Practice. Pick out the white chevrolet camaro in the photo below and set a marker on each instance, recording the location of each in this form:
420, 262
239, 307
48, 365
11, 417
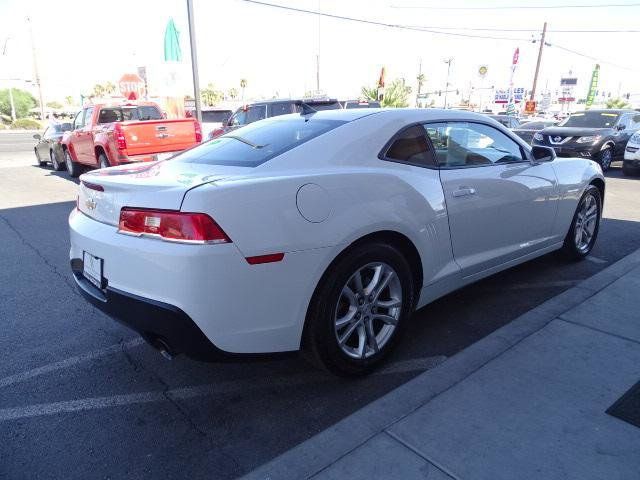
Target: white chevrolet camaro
322, 231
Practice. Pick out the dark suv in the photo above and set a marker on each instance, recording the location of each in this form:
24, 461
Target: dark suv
600, 135
253, 112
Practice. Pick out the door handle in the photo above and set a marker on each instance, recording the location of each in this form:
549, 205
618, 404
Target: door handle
464, 192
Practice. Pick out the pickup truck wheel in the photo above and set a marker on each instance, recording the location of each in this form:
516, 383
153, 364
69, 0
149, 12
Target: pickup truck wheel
57, 166
72, 167
103, 161
605, 158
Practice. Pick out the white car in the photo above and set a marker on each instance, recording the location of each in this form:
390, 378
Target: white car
631, 161
322, 231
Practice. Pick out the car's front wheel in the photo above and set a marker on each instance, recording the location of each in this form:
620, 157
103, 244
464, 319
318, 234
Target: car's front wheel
72, 167
605, 158
41, 162
585, 225
359, 309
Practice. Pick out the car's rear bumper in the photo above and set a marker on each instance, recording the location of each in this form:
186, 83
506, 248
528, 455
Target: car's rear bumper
164, 326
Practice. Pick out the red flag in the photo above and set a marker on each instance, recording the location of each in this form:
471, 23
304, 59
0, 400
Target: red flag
516, 54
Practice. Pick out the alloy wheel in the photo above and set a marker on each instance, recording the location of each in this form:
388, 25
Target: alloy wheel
586, 222
368, 310
605, 159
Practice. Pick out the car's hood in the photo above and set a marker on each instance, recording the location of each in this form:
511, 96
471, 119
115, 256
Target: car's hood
158, 185
576, 131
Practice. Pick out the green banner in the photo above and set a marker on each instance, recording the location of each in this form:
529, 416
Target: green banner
594, 85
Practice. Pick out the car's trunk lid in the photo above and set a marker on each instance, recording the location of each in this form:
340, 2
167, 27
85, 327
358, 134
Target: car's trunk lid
159, 185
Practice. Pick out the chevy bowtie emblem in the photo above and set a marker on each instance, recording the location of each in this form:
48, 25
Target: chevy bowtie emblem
557, 139
90, 203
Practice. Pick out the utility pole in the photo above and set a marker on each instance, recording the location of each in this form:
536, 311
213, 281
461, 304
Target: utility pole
535, 77
318, 54
420, 80
13, 106
446, 89
35, 69
194, 62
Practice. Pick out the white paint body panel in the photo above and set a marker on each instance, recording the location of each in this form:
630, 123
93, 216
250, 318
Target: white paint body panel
520, 211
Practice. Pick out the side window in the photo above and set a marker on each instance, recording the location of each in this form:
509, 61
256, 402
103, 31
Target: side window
239, 118
279, 108
463, 144
78, 122
411, 146
87, 116
635, 122
256, 112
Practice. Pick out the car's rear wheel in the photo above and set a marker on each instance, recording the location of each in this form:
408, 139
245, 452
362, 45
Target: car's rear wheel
72, 167
605, 158
585, 225
39, 159
103, 161
57, 166
359, 309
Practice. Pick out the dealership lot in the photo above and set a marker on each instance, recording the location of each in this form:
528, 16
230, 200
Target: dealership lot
81, 396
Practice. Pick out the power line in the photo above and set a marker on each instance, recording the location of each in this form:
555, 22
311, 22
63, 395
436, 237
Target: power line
381, 24
497, 29
517, 7
590, 57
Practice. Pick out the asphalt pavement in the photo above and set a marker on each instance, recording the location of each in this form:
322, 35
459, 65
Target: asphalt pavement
81, 396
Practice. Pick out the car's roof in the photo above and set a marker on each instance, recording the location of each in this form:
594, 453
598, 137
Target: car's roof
607, 110
289, 100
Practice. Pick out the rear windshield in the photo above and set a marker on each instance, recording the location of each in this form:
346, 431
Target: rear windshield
62, 127
121, 114
591, 120
328, 105
215, 116
258, 142
362, 105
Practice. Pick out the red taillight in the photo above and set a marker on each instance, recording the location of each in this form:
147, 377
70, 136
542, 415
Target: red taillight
196, 124
270, 258
121, 141
172, 226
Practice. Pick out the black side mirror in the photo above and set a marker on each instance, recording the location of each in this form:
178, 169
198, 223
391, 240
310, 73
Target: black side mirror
620, 127
37, 136
543, 154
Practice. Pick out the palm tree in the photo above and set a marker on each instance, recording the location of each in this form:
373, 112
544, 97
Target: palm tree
395, 95
618, 103
109, 88
233, 93
98, 90
243, 85
68, 99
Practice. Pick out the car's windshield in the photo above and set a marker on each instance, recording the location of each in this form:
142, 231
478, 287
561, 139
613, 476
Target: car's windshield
258, 142
62, 127
591, 120
215, 116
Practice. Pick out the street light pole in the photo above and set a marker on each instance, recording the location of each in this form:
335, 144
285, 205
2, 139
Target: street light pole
194, 61
446, 89
35, 68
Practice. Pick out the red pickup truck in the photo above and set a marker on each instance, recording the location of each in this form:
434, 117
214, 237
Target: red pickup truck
105, 135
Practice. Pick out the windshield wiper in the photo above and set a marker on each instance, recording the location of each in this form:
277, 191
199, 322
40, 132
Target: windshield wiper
245, 141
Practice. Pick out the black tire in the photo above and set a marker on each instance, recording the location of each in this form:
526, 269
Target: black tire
55, 163
571, 249
73, 168
103, 161
41, 163
605, 158
627, 171
320, 337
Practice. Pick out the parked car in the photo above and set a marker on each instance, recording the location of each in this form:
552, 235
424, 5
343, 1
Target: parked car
105, 135
526, 130
214, 118
322, 231
631, 161
508, 121
49, 146
600, 135
359, 104
253, 112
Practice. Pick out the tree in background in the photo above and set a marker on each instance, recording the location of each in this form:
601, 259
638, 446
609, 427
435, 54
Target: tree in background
55, 105
98, 90
396, 95
211, 96
69, 100
243, 85
22, 100
618, 103
109, 88
233, 93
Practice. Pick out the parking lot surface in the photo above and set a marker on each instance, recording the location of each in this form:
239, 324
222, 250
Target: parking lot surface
81, 396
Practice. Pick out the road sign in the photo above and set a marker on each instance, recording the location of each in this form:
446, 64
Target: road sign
502, 96
131, 86
529, 106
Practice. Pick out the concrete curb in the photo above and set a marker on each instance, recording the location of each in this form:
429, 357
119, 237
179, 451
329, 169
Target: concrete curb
328, 446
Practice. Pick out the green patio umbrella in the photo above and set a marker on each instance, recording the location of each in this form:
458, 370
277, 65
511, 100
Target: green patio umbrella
172, 52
